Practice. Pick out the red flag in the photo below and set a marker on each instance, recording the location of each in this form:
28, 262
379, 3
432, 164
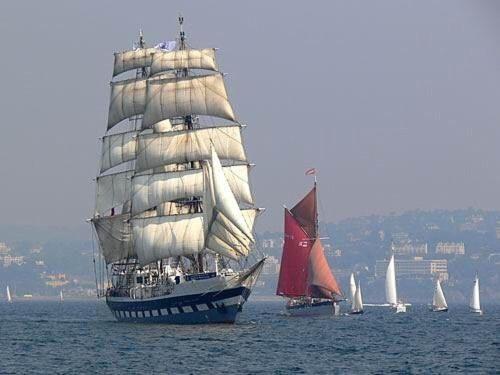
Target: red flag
311, 171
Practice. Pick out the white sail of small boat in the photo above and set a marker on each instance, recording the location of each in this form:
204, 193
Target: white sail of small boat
438, 300
9, 297
474, 303
391, 295
357, 307
352, 287
61, 297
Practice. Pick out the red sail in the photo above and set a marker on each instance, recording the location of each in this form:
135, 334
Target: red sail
306, 212
320, 279
292, 281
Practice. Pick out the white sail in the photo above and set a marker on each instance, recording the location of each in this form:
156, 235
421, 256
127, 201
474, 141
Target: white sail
390, 283
183, 59
225, 202
136, 59
474, 303
177, 97
167, 236
156, 150
112, 190
150, 190
114, 235
61, 297
128, 98
352, 287
9, 297
117, 149
358, 300
438, 300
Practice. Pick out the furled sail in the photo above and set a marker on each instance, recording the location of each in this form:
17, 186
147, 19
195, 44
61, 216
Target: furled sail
114, 235
438, 300
390, 283
185, 96
321, 282
292, 280
128, 99
150, 190
183, 59
117, 149
475, 303
112, 190
352, 288
136, 59
306, 212
183, 146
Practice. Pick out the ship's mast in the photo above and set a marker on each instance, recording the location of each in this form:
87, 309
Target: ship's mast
195, 204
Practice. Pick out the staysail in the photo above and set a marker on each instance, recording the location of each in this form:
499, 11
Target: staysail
438, 300
390, 283
321, 282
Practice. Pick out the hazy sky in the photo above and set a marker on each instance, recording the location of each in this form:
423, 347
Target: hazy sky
396, 103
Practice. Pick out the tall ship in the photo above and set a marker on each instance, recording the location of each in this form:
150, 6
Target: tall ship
305, 278
174, 212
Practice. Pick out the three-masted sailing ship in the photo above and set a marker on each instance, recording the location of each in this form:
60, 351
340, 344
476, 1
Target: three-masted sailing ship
305, 277
174, 212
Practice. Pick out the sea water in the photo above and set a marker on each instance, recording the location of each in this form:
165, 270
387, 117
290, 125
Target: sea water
83, 337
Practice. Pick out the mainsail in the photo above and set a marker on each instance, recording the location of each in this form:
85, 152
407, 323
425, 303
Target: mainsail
304, 268
438, 300
474, 303
169, 185
358, 300
391, 295
352, 288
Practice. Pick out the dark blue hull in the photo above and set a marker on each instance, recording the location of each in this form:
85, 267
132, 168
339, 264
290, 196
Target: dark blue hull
206, 308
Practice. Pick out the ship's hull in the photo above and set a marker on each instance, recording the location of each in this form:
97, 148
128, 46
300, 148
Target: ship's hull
200, 299
220, 306
439, 309
357, 312
476, 311
311, 309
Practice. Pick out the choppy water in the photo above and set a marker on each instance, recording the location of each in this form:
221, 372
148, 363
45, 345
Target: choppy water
82, 337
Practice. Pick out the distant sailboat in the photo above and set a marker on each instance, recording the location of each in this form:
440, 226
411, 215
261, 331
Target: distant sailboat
438, 300
474, 304
9, 297
61, 297
357, 304
391, 294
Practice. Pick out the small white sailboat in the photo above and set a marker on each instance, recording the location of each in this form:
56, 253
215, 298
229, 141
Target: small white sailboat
9, 297
357, 306
61, 297
438, 301
475, 304
391, 294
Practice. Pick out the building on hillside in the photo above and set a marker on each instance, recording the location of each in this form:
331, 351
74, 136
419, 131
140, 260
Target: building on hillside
457, 248
4, 249
416, 268
271, 266
409, 248
9, 260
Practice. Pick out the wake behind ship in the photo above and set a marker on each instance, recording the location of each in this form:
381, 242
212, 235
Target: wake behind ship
174, 212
